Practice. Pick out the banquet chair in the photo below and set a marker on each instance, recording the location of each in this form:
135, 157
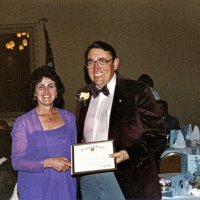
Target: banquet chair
170, 163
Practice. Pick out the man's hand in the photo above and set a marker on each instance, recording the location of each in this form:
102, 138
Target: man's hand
120, 156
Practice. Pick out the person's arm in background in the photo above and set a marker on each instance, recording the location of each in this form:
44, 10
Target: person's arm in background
8, 179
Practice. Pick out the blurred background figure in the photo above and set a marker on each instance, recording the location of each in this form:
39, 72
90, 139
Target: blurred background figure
172, 123
149, 81
8, 177
4, 125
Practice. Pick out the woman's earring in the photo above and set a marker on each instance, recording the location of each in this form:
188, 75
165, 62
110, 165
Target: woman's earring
34, 98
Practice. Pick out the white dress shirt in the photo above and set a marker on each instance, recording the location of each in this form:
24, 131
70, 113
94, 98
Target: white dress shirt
2, 160
98, 115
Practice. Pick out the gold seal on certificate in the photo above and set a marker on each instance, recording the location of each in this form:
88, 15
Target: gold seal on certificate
92, 157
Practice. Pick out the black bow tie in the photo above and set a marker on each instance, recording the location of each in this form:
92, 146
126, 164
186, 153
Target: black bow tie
95, 91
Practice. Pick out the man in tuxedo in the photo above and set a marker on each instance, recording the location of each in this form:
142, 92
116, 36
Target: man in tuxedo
149, 81
125, 111
172, 123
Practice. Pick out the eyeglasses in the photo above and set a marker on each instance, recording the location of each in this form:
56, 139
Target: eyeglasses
102, 62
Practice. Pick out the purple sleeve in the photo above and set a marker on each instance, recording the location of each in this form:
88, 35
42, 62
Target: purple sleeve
19, 149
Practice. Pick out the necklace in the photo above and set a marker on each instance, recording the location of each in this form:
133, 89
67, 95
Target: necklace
50, 116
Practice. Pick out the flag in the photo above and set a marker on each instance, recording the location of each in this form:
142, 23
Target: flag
49, 53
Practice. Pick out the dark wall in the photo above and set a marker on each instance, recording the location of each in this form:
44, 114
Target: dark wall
157, 37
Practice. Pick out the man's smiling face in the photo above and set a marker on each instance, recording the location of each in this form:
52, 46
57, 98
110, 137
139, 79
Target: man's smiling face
100, 76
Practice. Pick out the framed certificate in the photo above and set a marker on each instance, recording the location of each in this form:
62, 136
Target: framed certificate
92, 157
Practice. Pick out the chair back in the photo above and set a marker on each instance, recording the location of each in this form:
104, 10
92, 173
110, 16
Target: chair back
170, 163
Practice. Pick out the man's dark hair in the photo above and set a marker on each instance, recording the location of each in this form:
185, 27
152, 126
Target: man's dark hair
163, 102
147, 79
48, 72
101, 45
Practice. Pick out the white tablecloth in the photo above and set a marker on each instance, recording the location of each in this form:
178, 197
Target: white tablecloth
181, 198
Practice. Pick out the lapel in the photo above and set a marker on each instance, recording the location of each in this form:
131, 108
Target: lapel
118, 101
81, 111
83, 104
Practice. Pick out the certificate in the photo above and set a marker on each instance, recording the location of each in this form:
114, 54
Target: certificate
92, 157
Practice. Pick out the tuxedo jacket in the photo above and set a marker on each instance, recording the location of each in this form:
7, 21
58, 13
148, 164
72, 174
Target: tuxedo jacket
136, 126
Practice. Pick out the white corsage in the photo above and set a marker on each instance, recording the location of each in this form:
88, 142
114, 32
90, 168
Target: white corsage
84, 96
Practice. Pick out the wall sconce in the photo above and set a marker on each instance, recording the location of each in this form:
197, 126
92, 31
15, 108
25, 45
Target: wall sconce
21, 47
7, 45
10, 44
21, 41
25, 42
18, 34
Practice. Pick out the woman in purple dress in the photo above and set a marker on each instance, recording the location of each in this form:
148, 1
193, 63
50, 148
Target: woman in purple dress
41, 142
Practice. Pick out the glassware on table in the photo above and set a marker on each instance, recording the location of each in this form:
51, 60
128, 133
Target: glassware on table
165, 184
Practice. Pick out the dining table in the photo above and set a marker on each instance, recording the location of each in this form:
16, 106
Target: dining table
189, 149
167, 195
186, 197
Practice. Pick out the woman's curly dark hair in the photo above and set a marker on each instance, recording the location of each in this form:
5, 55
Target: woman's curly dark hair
48, 72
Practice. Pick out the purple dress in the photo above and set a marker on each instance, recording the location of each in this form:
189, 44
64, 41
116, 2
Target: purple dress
31, 145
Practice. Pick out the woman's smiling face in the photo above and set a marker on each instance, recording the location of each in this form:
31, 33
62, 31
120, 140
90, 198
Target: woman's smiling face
46, 91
